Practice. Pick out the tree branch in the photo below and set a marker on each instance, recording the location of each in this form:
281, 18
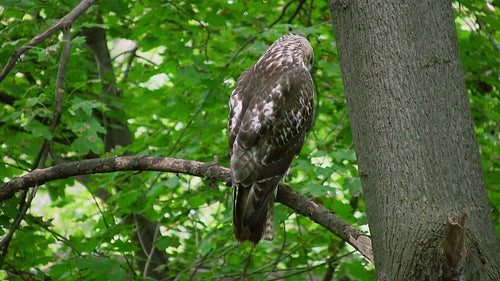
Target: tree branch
452, 249
64, 22
302, 205
326, 218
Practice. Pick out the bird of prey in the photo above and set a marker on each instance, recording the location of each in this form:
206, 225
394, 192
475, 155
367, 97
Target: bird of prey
270, 114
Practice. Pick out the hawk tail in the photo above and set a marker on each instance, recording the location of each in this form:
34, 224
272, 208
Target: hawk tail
253, 212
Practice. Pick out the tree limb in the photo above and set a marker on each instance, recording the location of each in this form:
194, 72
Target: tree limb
452, 249
326, 218
302, 205
64, 22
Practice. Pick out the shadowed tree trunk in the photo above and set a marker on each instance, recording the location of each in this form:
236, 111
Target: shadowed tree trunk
117, 131
418, 157
118, 134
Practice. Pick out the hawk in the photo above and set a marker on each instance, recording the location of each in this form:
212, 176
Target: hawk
270, 114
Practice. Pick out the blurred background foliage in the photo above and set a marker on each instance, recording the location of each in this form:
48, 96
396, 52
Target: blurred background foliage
153, 78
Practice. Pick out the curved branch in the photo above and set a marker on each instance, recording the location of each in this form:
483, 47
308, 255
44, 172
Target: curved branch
302, 205
328, 219
63, 23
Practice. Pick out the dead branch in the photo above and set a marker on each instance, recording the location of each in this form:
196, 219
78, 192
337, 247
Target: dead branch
452, 249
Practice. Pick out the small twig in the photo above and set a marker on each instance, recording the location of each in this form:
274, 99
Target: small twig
125, 52
188, 14
492, 40
281, 249
139, 236
63, 23
309, 12
104, 220
199, 263
339, 127
292, 248
248, 258
147, 60
281, 15
329, 272
4, 243
201, 23
129, 63
296, 11
192, 276
308, 269
184, 130
305, 255
17, 166
151, 252
235, 55
297, 271
57, 236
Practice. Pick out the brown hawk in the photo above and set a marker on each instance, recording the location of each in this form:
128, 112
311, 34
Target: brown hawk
271, 112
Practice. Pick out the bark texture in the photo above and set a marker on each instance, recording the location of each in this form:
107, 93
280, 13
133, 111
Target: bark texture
415, 142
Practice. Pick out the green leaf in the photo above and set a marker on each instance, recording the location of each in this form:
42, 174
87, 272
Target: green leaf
317, 190
344, 155
86, 105
87, 142
165, 242
38, 130
77, 40
172, 182
155, 190
13, 116
352, 184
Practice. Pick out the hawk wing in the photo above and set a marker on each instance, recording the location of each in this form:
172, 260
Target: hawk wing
268, 123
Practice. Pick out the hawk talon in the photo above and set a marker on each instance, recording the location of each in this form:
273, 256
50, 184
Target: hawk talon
211, 169
285, 184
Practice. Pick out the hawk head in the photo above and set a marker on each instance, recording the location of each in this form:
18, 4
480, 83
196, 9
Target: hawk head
289, 49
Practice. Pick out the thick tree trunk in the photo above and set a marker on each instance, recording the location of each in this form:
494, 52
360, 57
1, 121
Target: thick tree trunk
418, 158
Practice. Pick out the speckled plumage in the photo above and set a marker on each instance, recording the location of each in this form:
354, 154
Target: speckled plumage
271, 112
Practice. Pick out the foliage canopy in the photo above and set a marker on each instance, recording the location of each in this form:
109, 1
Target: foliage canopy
172, 67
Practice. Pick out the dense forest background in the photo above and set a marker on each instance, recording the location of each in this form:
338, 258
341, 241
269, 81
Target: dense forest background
153, 78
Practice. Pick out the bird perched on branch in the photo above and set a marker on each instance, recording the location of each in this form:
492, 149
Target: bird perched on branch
271, 112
